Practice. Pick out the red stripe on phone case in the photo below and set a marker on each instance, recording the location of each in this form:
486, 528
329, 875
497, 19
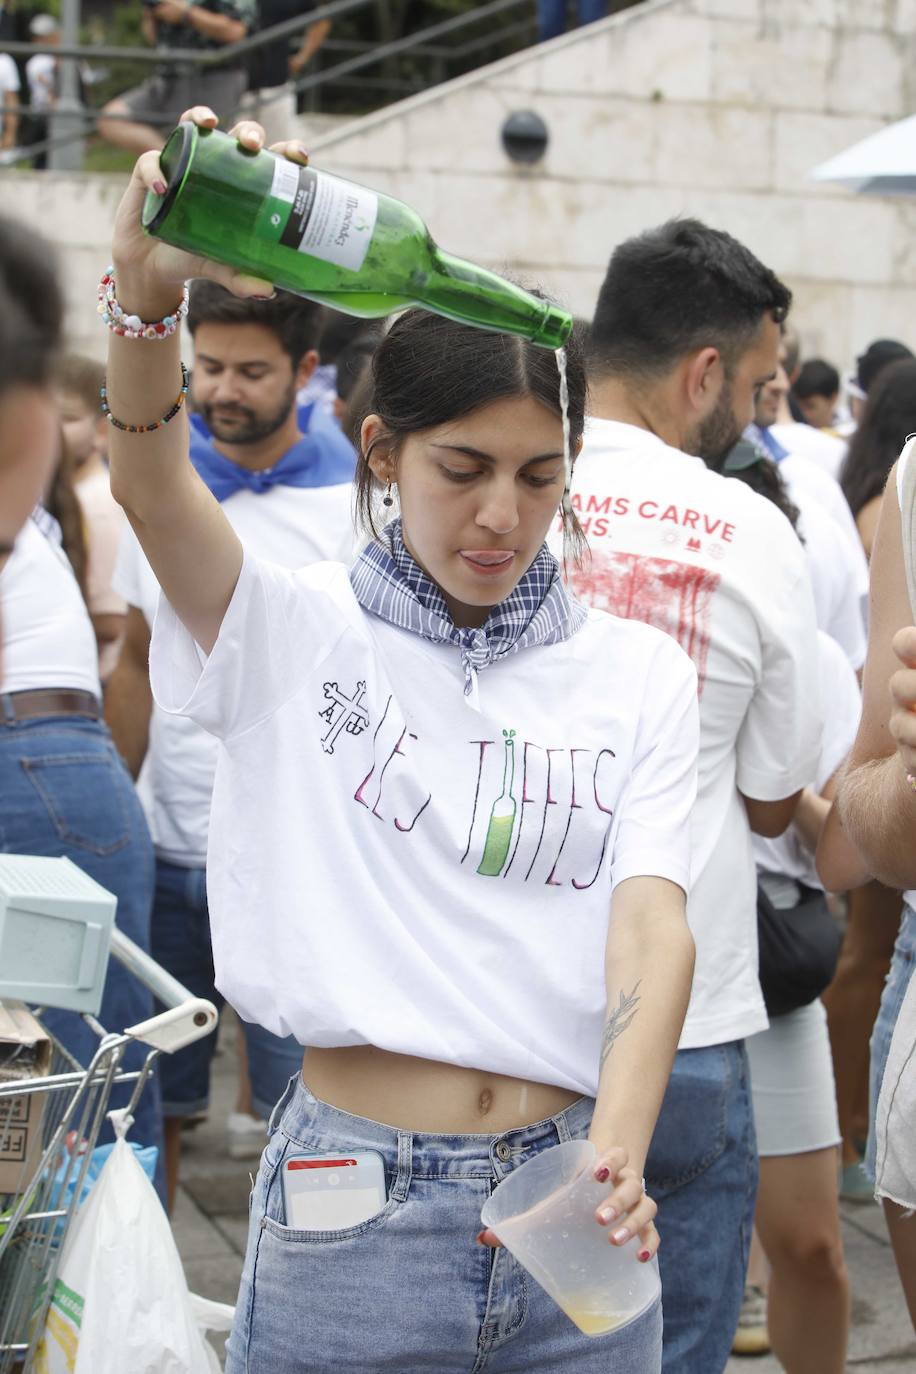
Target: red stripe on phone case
318, 1163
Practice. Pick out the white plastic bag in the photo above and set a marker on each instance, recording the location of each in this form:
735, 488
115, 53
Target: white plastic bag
121, 1303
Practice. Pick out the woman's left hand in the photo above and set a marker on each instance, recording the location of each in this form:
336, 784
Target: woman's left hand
627, 1211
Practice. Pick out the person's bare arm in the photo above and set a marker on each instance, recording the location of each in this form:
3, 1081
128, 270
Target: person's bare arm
148, 26
108, 626
187, 539
313, 38
219, 27
128, 698
839, 864
876, 805
11, 120
771, 818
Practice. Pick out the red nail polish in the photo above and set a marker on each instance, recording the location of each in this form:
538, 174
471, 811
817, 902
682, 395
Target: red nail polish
159, 187
602, 1175
480, 1236
644, 1255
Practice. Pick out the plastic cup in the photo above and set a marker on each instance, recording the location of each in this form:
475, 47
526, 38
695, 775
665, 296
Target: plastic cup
544, 1213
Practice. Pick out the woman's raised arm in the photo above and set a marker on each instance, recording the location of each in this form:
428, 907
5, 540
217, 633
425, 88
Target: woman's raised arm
190, 544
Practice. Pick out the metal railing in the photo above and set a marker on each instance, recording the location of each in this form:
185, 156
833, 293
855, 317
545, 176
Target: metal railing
70, 121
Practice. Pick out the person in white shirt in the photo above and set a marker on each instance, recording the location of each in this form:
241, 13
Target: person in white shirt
9, 99
41, 78
448, 846
685, 333
283, 476
841, 567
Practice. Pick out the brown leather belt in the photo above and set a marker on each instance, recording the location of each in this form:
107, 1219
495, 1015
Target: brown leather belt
53, 701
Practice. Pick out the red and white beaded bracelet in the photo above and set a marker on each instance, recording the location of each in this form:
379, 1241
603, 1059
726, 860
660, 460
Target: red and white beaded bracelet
131, 326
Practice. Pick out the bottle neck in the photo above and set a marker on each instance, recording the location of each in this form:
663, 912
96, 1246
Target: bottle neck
471, 294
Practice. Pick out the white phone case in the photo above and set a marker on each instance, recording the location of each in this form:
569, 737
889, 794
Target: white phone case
334, 1191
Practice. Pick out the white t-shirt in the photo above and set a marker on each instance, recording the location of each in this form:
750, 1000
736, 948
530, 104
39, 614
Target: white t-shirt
835, 581
293, 526
40, 71
841, 709
9, 75
721, 569
48, 639
392, 865
826, 450
809, 485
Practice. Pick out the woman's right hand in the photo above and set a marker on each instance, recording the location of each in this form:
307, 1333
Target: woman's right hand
150, 274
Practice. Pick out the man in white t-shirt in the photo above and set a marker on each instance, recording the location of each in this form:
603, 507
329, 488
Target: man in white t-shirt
686, 329
841, 563
283, 475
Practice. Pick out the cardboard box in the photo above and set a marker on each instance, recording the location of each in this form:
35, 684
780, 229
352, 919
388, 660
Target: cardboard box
25, 1052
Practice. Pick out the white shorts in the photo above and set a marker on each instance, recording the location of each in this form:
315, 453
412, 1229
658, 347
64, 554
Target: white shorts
792, 1084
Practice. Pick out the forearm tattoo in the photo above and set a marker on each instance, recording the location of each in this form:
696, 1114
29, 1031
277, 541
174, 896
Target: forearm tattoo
618, 1021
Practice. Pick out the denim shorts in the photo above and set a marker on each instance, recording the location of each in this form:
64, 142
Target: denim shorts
896, 984
409, 1290
181, 944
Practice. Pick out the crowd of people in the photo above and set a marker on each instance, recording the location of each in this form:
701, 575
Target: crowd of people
652, 700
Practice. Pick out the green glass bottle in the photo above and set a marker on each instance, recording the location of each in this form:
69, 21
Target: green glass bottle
309, 232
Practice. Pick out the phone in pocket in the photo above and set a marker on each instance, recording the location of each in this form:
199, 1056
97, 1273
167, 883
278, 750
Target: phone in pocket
331, 1192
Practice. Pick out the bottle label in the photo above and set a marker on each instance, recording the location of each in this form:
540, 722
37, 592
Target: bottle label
328, 218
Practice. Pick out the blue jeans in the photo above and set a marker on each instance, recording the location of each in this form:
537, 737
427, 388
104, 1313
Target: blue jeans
64, 792
181, 944
896, 984
702, 1172
552, 16
409, 1290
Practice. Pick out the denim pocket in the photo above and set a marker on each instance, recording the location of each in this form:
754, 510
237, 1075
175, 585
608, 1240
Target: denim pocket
273, 1220
83, 795
692, 1128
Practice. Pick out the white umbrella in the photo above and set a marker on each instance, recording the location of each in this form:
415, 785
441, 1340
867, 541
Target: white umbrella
882, 164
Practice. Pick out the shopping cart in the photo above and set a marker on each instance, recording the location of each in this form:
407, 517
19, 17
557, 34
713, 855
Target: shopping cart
73, 1098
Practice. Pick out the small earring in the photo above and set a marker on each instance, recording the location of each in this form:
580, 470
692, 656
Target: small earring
387, 499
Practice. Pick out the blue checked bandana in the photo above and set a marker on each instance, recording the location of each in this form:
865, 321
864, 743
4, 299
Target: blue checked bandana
387, 582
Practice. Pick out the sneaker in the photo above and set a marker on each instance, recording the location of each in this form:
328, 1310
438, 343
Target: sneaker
246, 1136
855, 1185
751, 1337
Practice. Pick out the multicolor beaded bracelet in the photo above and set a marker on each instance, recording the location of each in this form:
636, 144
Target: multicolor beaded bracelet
911, 781
157, 424
131, 326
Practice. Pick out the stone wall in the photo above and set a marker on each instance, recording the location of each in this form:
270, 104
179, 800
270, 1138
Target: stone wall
714, 108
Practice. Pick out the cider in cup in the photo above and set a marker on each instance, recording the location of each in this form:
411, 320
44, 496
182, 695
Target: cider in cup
544, 1214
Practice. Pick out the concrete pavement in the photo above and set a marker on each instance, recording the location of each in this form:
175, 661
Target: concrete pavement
211, 1220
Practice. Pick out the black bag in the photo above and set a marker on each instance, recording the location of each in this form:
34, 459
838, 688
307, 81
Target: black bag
799, 949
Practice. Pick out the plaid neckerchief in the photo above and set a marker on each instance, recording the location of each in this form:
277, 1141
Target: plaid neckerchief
388, 582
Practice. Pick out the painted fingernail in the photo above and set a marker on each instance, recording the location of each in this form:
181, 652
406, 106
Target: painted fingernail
602, 1174
621, 1235
480, 1237
302, 150
607, 1215
265, 298
159, 187
644, 1255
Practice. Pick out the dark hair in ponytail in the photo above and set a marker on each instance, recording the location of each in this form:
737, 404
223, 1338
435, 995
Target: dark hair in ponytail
63, 503
428, 370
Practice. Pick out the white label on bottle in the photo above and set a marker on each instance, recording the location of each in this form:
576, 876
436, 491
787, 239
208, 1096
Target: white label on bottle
330, 219
286, 180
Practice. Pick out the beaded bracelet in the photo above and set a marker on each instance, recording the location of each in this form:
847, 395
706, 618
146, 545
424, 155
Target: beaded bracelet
157, 424
911, 781
131, 326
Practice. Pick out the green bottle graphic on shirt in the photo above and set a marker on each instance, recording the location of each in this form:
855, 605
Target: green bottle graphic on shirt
331, 240
502, 816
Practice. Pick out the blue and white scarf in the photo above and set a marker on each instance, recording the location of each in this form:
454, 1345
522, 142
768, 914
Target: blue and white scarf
390, 584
